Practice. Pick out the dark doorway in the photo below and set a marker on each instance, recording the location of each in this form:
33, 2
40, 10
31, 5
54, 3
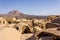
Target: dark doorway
27, 30
9, 22
17, 28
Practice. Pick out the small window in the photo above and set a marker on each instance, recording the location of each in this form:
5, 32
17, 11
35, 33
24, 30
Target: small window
57, 16
3, 22
17, 28
9, 22
58, 29
0, 21
51, 18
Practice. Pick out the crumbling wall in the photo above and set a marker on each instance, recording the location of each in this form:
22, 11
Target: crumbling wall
22, 27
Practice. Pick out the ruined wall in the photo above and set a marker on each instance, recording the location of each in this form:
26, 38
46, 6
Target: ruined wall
3, 20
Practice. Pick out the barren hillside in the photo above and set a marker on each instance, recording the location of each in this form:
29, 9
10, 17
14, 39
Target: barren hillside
18, 14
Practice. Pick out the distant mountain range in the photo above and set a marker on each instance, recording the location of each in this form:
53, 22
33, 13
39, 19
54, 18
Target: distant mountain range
18, 14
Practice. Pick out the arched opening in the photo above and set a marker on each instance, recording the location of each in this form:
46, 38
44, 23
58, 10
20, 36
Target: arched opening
3, 22
27, 30
0, 21
51, 18
9, 22
17, 28
42, 27
57, 16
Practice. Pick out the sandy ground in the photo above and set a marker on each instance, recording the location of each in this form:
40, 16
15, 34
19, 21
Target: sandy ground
9, 34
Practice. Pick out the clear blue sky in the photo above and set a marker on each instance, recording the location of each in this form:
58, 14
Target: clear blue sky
32, 7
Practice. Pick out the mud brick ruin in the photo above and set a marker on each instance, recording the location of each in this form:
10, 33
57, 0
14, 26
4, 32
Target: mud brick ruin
33, 29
